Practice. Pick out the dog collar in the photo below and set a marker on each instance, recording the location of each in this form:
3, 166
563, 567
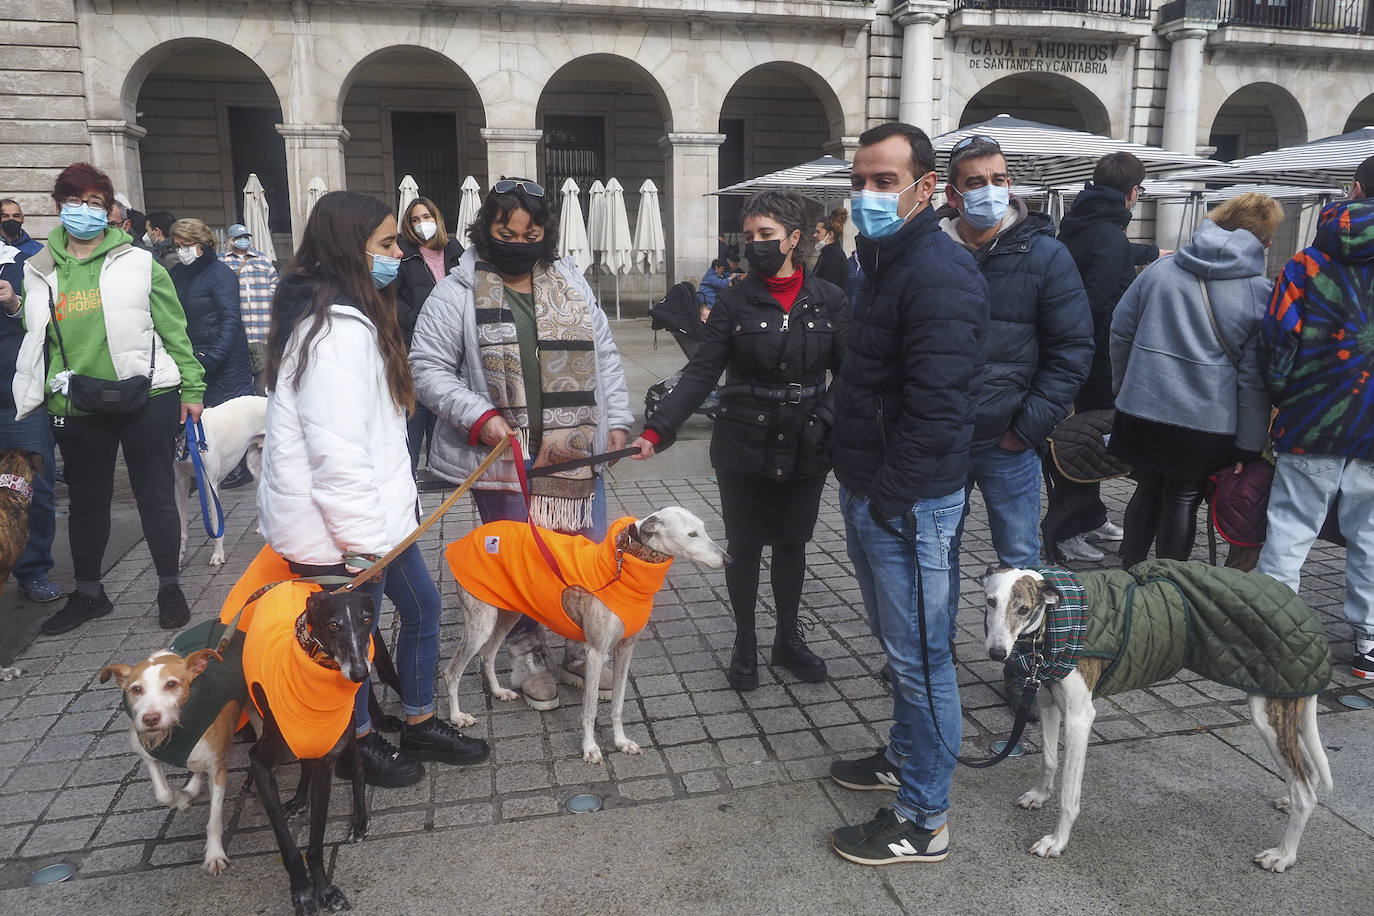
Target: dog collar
17, 484
312, 646
624, 544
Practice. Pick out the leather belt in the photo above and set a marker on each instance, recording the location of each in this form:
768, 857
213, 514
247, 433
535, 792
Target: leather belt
794, 393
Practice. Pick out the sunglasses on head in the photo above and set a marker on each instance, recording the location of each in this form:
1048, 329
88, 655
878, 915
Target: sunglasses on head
506, 185
968, 141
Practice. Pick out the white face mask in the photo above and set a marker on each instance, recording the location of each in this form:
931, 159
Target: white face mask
187, 255
147, 241
425, 229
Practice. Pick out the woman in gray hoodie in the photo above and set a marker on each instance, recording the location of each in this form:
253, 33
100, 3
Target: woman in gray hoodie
1190, 396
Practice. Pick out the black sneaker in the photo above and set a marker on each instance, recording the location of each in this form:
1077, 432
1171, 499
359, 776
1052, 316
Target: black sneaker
871, 774
238, 477
172, 611
78, 609
1362, 665
435, 739
383, 765
890, 838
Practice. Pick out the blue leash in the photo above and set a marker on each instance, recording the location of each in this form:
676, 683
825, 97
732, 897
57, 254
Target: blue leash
195, 444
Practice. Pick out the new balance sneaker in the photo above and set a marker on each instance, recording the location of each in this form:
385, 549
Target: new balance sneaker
1107, 531
1362, 665
890, 838
1076, 548
870, 774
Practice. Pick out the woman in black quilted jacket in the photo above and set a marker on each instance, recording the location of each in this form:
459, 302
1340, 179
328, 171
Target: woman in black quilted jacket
776, 335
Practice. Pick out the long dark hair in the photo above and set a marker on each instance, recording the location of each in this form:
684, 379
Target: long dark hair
497, 208
332, 263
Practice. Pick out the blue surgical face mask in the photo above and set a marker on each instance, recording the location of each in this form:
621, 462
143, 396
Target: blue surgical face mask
875, 212
83, 222
984, 207
242, 243
384, 268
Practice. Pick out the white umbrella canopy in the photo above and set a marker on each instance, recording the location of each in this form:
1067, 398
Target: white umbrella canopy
255, 216
1328, 161
409, 191
618, 255
596, 217
648, 241
313, 192
825, 179
469, 204
1042, 154
572, 232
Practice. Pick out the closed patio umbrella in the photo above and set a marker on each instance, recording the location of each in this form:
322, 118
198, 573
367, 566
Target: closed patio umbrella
596, 226
648, 243
255, 216
619, 250
572, 232
409, 191
313, 192
469, 204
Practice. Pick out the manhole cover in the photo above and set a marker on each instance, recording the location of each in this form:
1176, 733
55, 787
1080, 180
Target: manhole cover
1017, 751
584, 804
52, 874
1356, 701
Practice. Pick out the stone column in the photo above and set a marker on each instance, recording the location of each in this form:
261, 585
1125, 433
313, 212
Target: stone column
513, 152
693, 172
1188, 37
115, 151
311, 150
916, 101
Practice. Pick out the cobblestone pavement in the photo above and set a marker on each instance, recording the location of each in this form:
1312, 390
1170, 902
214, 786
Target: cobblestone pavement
73, 791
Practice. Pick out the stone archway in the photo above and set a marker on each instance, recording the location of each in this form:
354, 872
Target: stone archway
1255, 119
1362, 116
1046, 98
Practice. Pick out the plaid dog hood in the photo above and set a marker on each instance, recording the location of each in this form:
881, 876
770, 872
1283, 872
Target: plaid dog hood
500, 564
1065, 630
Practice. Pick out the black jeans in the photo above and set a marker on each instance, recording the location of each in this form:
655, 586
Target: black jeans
89, 447
1163, 511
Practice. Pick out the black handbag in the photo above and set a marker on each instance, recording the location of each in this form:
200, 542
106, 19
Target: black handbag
99, 395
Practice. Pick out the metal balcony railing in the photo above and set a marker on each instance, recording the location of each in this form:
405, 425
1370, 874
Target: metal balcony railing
1350, 17
1125, 9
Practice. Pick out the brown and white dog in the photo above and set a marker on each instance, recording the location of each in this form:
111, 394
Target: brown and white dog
1017, 603
653, 541
156, 691
18, 468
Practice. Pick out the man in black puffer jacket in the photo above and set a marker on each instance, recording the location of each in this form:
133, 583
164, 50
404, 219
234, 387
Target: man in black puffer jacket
904, 410
1094, 230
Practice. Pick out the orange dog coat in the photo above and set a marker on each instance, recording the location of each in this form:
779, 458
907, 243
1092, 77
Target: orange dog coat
500, 564
312, 704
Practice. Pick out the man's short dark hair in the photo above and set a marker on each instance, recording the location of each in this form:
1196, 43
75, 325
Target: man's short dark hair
1120, 171
977, 148
162, 220
718, 263
922, 153
1364, 174
138, 223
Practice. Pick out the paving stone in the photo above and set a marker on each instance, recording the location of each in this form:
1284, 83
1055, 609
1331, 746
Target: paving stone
702, 781
113, 859
793, 745
647, 789
754, 773
59, 837
45, 776
717, 701
522, 777
677, 731
81, 801
692, 757
137, 827
742, 750
774, 721
629, 766
535, 806
464, 815
728, 726
24, 807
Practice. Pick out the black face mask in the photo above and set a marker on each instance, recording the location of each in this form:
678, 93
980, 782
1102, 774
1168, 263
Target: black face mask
11, 228
513, 259
765, 258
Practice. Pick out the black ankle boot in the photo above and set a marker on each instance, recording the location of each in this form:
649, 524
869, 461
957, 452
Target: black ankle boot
744, 663
790, 652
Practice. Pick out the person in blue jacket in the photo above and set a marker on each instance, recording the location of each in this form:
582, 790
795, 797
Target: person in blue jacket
209, 294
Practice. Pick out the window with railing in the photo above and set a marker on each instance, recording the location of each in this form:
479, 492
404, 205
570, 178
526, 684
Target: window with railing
1126, 9
1350, 17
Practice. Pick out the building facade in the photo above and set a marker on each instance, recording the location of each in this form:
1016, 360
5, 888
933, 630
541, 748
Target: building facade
180, 99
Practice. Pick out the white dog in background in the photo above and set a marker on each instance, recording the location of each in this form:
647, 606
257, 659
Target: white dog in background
233, 430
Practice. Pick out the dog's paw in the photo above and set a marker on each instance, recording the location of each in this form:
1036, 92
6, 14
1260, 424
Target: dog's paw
356, 832
626, 746
181, 800
334, 900
1048, 847
1031, 801
217, 558
1282, 804
9, 674
505, 693
592, 754
463, 720
1275, 859
294, 806
216, 864
305, 903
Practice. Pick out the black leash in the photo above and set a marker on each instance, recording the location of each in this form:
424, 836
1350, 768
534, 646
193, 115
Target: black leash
1029, 686
561, 466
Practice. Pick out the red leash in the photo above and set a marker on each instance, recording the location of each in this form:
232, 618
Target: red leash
539, 541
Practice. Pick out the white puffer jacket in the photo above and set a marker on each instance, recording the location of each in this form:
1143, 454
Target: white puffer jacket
335, 469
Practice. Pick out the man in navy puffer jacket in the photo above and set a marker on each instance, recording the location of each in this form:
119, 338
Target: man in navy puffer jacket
905, 404
1040, 345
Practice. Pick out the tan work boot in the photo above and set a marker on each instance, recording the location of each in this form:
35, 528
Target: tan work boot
529, 669
575, 669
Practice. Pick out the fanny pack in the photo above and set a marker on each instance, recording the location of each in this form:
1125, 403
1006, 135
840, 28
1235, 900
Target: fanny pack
99, 395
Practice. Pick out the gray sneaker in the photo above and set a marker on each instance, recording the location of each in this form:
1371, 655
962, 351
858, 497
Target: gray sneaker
529, 671
869, 774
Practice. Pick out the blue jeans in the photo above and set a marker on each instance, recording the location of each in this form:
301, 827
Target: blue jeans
34, 433
1304, 488
1010, 484
411, 588
886, 568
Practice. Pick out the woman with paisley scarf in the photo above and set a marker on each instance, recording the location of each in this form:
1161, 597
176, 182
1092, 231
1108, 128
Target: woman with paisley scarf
513, 341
